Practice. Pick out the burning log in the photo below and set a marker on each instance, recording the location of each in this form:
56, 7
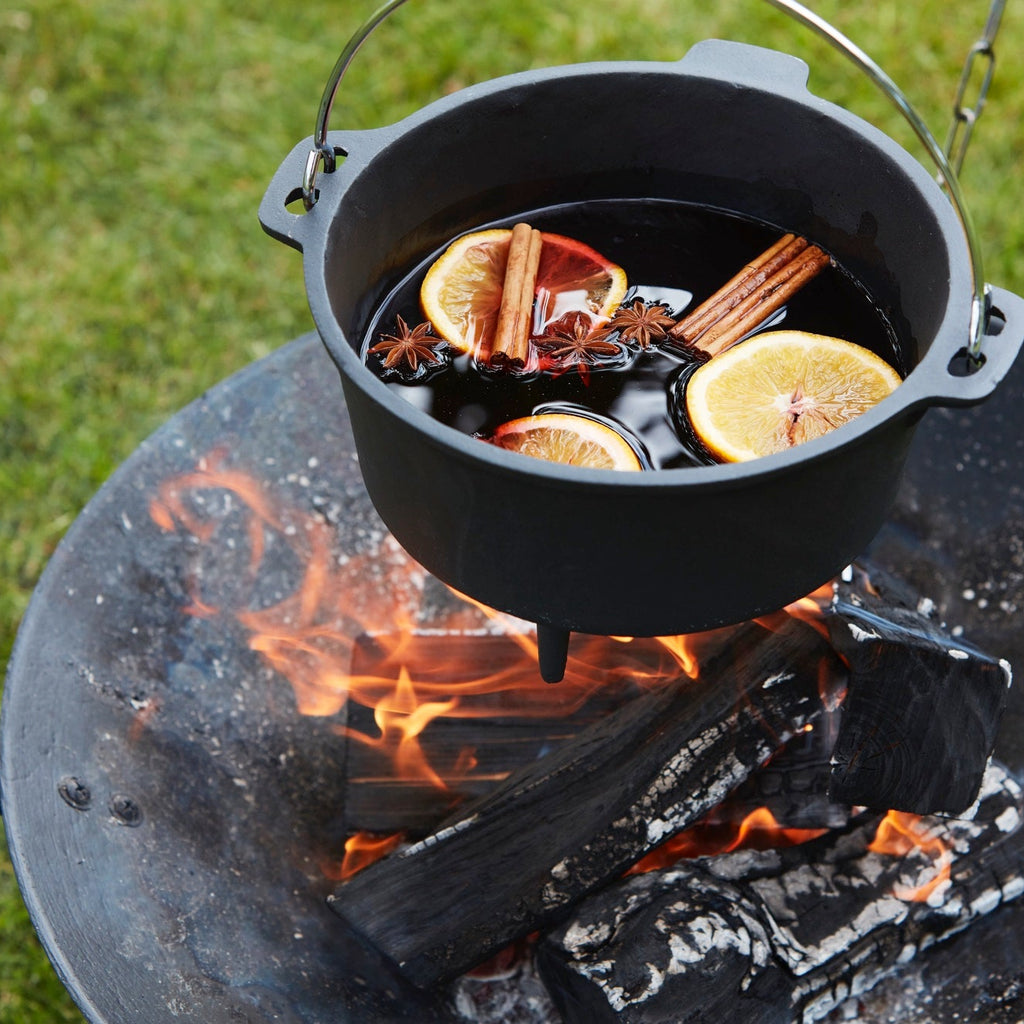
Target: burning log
923, 707
504, 718
781, 935
559, 829
794, 786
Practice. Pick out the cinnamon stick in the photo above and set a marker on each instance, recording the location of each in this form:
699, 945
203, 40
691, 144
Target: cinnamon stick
750, 297
736, 289
515, 317
763, 301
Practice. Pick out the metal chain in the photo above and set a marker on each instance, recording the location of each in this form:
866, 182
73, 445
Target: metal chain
966, 117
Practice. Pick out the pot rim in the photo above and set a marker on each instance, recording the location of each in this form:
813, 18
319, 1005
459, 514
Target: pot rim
918, 391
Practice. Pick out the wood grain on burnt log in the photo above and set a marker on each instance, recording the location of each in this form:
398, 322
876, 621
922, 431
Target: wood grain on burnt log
561, 828
774, 937
794, 785
923, 707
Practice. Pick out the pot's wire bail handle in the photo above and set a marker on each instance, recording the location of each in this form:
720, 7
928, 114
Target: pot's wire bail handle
947, 177
322, 153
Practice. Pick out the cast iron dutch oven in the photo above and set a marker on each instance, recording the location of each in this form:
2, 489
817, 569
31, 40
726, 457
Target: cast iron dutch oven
670, 551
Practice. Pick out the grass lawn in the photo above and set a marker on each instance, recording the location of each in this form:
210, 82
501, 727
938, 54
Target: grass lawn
137, 139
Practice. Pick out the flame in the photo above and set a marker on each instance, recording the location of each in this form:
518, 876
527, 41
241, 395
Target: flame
900, 834
361, 850
401, 718
357, 632
759, 830
354, 628
810, 609
684, 650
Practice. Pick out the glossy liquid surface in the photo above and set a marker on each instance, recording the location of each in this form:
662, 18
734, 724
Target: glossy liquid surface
674, 254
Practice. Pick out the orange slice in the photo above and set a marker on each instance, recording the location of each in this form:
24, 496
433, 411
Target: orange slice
781, 388
461, 293
569, 439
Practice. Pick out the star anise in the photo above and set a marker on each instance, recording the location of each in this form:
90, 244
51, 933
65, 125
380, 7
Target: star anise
572, 340
641, 323
409, 347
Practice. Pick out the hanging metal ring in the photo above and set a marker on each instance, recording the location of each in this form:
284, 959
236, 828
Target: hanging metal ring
317, 155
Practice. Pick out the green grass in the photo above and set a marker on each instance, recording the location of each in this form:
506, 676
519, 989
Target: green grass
137, 139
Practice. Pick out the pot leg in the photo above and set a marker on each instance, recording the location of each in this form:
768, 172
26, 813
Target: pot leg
552, 652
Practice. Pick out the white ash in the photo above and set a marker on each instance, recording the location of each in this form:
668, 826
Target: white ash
861, 635
1009, 820
701, 936
516, 996
664, 825
1012, 889
743, 864
752, 905
438, 837
561, 871
775, 680
584, 936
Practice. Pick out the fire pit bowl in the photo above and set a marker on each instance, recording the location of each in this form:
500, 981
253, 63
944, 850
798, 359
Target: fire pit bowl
729, 126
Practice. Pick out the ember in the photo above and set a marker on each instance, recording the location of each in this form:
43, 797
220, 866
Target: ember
780, 935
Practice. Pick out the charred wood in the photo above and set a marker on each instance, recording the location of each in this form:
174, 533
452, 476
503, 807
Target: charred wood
561, 828
794, 785
923, 708
977, 977
774, 937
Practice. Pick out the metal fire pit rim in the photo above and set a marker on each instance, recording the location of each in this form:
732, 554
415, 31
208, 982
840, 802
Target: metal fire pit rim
18, 666
285, 364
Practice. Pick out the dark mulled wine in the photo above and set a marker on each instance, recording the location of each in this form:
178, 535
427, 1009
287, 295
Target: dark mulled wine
675, 255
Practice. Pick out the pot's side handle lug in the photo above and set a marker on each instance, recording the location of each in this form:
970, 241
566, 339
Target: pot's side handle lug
284, 190
746, 63
1003, 336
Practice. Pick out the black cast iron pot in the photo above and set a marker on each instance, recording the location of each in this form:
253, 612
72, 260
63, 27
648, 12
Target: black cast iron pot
673, 551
